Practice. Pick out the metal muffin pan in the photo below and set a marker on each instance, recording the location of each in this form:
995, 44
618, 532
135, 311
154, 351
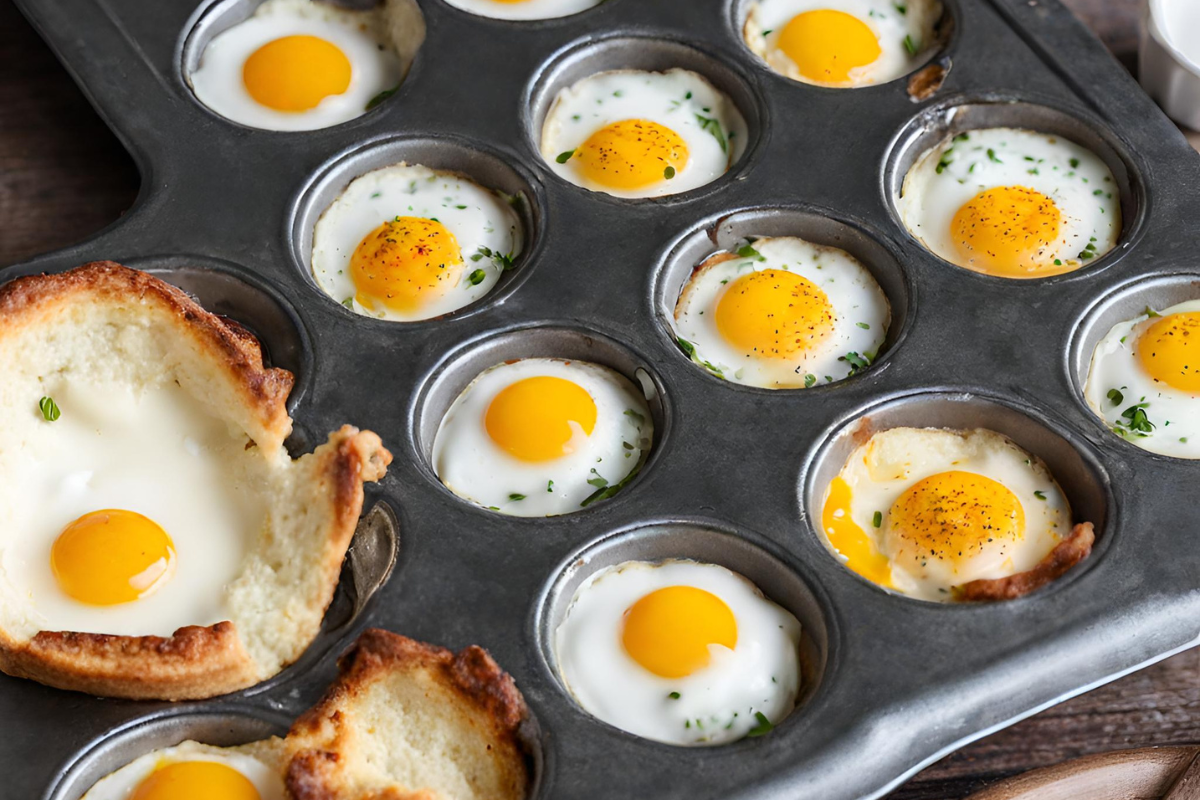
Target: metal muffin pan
892, 683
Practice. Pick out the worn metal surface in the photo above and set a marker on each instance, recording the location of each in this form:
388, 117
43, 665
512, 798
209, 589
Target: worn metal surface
894, 683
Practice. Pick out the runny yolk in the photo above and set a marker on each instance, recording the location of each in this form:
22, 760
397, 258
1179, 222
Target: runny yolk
953, 515
195, 780
774, 313
112, 556
669, 630
540, 418
1007, 231
405, 263
295, 73
1169, 351
849, 540
825, 45
632, 154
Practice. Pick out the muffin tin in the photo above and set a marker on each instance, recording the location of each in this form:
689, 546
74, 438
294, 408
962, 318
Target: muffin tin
736, 473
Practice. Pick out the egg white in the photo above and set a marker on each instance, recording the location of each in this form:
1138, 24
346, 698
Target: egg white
716, 704
527, 9
153, 450
676, 99
121, 783
892, 461
1076, 179
861, 308
765, 21
361, 35
475, 468
482, 221
1174, 413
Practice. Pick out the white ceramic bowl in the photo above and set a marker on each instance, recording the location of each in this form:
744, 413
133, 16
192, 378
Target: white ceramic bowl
1169, 57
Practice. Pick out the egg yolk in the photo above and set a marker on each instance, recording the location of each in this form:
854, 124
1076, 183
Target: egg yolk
540, 418
112, 556
825, 45
1006, 231
405, 263
295, 73
953, 515
669, 630
849, 540
1169, 351
195, 780
774, 313
632, 154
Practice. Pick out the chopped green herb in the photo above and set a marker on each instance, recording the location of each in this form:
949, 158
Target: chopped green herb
713, 126
49, 409
748, 251
687, 347
1150, 312
857, 362
991, 154
910, 45
669, 173
962, 137
674, 695
901, 9
348, 302
515, 497
1058, 262
599, 481
476, 277
767, 32
1039, 494
763, 727
635, 416
379, 98
877, 520
1074, 162
863, 325
564, 156
810, 381
1116, 397
549, 486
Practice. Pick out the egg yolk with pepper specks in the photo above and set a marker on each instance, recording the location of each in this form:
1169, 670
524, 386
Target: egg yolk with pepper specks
826, 45
404, 263
1169, 351
953, 516
112, 556
632, 154
295, 73
1005, 231
195, 780
541, 418
774, 313
669, 631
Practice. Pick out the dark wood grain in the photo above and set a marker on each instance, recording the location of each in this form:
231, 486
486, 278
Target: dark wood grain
64, 176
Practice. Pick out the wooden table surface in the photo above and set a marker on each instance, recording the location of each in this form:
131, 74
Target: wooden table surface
64, 176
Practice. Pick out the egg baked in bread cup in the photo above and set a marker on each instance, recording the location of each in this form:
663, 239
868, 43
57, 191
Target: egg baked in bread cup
404, 720
156, 539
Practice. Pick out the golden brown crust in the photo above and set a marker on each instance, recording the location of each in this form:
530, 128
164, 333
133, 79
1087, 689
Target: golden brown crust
1066, 554
196, 661
321, 738
266, 389
926, 81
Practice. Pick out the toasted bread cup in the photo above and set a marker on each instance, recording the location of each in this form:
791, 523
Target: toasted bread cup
104, 322
411, 721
